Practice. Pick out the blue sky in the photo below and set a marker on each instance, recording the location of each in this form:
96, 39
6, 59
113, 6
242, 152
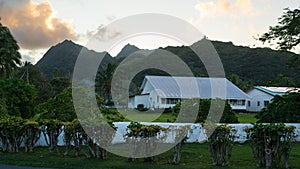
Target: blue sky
48, 22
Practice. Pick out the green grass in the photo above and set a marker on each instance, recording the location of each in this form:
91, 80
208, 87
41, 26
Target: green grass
246, 117
193, 156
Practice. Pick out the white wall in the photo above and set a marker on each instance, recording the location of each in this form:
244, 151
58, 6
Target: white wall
139, 99
257, 96
197, 133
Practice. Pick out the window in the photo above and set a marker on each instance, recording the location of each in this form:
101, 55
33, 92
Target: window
163, 101
237, 102
249, 103
266, 102
157, 99
173, 100
258, 103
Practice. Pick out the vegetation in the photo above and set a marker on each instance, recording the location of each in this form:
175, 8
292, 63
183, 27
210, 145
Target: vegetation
220, 145
283, 109
145, 138
270, 142
10, 58
18, 97
246, 117
194, 155
228, 115
286, 34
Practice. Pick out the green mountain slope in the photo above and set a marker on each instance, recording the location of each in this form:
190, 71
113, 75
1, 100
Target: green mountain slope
250, 64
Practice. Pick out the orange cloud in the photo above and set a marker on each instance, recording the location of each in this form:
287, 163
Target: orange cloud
221, 7
33, 24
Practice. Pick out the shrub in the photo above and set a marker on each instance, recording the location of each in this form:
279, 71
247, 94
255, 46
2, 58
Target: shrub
228, 115
269, 142
283, 109
145, 138
220, 145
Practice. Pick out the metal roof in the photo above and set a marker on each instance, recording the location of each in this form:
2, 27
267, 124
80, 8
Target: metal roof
194, 87
277, 90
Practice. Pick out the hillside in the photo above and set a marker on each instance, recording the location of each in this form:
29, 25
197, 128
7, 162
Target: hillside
62, 57
250, 64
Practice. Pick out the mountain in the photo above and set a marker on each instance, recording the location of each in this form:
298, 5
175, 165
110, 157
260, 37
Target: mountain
126, 51
62, 58
257, 65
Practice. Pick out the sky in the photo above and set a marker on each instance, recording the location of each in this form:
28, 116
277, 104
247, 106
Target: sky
39, 24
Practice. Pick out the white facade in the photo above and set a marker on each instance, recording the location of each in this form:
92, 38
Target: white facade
259, 100
164, 91
261, 96
139, 99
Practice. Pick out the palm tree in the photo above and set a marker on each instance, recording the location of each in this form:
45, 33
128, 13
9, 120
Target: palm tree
10, 58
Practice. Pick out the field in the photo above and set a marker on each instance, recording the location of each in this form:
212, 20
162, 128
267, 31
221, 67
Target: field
246, 117
194, 155
169, 117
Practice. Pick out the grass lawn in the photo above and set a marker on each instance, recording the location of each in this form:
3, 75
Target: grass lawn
194, 156
246, 117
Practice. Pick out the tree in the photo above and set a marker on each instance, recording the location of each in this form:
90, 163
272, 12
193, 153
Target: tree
33, 75
286, 34
228, 115
59, 84
19, 97
244, 85
59, 107
280, 80
283, 109
10, 58
103, 81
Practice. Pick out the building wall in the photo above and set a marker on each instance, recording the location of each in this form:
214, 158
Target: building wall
238, 104
139, 99
257, 96
147, 88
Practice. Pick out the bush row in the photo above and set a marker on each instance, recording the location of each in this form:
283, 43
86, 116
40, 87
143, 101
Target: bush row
269, 142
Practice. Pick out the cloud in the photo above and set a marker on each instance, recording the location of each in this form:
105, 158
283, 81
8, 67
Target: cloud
226, 7
34, 25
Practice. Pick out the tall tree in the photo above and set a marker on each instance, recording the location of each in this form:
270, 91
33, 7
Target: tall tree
18, 96
103, 81
31, 74
10, 58
286, 34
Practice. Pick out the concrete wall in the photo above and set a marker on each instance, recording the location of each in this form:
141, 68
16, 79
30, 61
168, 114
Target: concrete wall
197, 133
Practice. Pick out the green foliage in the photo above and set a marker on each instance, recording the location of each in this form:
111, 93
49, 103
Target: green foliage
283, 109
243, 85
59, 84
286, 34
31, 134
146, 136
279, 81
269, 142
3, 107
51, 128
103, 81
19, 97
11, 133
60, 107
10, 58
221, 143
33, 75
228, 115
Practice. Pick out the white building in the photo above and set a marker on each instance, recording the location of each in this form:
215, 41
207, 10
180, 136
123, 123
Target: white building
167, 91
262, 96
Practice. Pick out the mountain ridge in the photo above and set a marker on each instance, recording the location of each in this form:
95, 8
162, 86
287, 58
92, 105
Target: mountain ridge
256, 64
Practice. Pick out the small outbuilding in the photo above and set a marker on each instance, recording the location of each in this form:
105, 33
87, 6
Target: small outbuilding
261, 96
